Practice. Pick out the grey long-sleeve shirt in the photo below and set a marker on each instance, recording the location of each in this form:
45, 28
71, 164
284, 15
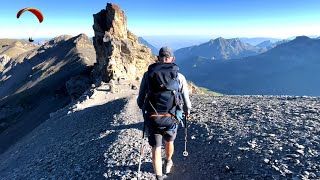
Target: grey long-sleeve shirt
183, 86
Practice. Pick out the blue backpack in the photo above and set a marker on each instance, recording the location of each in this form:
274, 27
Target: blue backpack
164, 95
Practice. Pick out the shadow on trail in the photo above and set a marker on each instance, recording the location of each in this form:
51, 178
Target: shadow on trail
69, 146
29, 119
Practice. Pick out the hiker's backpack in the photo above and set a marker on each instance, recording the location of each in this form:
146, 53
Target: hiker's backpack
164, 95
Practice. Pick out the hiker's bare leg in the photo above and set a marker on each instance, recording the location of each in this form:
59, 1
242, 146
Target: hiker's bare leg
169, 149
157, 160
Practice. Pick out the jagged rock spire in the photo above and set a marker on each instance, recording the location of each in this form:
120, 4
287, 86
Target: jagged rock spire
119, 53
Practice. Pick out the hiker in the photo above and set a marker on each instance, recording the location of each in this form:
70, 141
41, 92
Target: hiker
159, 88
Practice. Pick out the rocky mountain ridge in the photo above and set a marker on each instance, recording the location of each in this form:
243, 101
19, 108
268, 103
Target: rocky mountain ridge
33, 84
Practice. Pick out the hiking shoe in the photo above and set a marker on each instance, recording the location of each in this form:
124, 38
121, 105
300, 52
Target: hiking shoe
168, 166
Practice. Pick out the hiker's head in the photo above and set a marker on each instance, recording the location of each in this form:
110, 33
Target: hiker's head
166, 55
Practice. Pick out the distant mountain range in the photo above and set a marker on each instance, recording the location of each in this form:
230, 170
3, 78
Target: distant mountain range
240, 47
291, 68
257, 40
265, 44
154, 50
218, 49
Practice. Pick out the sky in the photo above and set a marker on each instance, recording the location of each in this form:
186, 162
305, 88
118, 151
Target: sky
225, 18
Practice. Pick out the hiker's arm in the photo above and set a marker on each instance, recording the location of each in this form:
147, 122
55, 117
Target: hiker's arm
185, 94
142, 91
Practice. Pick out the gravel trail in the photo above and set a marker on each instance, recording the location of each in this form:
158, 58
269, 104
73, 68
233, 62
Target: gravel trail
232, 137
229, 137
252, 137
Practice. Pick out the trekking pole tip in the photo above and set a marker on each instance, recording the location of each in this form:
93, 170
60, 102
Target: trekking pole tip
185, 153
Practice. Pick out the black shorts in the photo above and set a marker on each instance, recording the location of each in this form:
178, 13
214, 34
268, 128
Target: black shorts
159, 127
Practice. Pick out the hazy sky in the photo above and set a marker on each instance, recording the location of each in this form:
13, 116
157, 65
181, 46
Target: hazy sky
226, 18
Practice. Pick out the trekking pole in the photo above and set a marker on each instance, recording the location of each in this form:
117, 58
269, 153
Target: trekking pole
185, 152
141, 151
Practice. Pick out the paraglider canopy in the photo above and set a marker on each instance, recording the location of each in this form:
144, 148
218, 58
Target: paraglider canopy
29, 27
34, 11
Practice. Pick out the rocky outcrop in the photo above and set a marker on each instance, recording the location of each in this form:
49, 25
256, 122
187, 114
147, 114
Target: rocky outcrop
119, 53
4, 59
193, 89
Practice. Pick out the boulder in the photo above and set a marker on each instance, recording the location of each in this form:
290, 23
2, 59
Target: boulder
119, 53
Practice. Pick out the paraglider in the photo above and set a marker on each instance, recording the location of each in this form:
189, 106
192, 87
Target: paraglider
34, 11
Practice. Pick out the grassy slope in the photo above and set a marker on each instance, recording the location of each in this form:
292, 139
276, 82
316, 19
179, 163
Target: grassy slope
200, 90
207, 91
